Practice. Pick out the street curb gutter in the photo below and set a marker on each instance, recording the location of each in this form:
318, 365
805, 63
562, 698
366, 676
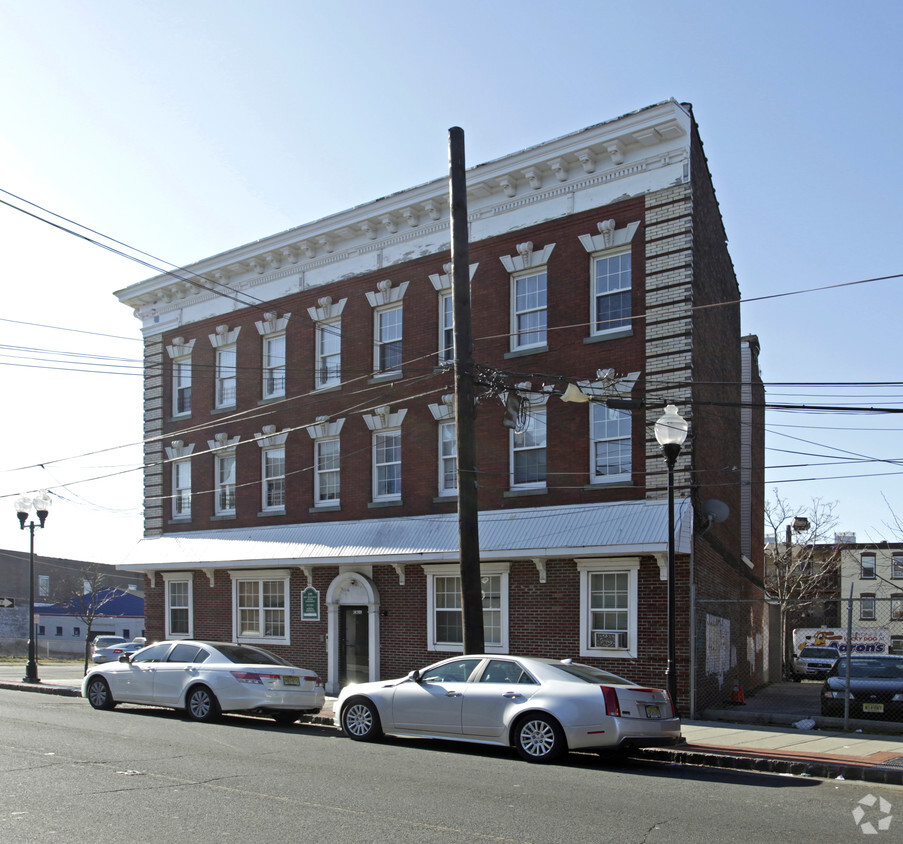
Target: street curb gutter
41, 689
765, 764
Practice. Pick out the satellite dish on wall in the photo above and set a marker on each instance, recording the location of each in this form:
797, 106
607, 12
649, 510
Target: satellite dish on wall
715, 511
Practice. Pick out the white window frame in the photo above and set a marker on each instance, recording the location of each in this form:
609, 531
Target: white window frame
446, 329
448, 458
181, 489
323, 476
524, 308
868, 572
500, 570
896, 565
868, 606
383, 340
226, 376
597, 415
274, 366
170, 578
613, 565
228, 487
535, 412
597, 327
378, 436
260, 577
181, 386
328, 360
272, 483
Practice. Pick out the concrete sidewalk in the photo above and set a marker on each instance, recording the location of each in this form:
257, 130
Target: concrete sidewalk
758, 736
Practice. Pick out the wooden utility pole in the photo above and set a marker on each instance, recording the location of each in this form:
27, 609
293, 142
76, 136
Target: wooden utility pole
465, 408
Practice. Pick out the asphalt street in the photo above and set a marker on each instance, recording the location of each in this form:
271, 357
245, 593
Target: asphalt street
69, 773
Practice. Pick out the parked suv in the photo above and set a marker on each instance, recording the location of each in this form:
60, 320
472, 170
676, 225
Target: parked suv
814, 662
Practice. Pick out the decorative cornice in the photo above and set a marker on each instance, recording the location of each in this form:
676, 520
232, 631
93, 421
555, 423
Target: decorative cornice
443, 283
325, 427
178, 450
271, 323
180, 347
527, 258
445, 411
268, 438
222, 442
386, 294
326, 309
609, 237
382, 418
224, 336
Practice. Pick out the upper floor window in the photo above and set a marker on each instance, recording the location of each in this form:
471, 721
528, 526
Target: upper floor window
224, 484
867, 567
179, 351
329, 353
528, 442
180, 455
611, 445
610, 278
273, 471
529, 297
896, 607
446, 329
226, 380
448, 459
388, 315
327, 461
44, 585
386, 428
867, 606
611, 292
896, 566
272, 330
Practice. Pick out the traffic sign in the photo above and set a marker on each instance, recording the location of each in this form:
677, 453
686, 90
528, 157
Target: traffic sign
6, 603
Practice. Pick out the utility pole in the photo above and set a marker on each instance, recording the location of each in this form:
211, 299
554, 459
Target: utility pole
465, 408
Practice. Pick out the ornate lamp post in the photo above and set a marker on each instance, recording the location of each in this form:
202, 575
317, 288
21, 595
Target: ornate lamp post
671, 433
41, 504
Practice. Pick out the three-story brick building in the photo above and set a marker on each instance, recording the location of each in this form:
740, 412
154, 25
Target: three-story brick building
300, 483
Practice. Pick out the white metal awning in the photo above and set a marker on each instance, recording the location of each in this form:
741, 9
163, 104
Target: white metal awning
579, 530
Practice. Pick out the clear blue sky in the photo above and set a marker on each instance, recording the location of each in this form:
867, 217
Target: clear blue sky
184, 128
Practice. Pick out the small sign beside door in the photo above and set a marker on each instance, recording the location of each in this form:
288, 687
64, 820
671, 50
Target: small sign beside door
310, 604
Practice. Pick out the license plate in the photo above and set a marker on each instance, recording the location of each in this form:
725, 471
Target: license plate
653, 711
873, 707
289, 680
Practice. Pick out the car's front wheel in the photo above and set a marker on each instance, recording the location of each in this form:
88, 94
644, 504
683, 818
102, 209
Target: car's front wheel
360, 720
201, 704
99, 695
539, 738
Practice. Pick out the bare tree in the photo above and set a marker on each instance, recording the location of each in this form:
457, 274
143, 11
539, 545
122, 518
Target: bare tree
87, 601
800, 573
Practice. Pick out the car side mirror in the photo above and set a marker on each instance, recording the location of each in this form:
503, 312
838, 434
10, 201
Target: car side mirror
414, 675
125, 658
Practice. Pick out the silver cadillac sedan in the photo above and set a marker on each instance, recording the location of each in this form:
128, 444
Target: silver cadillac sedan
541, 707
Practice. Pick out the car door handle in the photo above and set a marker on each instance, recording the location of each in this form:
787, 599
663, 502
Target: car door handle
453, 694
512, 695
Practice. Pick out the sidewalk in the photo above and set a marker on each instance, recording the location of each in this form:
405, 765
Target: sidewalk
758, 736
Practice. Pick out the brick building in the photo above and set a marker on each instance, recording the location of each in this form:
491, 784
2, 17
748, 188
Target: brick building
300, 488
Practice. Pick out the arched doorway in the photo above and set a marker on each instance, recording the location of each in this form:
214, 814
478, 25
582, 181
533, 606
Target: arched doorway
352, 602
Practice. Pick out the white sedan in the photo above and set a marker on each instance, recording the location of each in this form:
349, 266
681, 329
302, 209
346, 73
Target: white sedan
206, 679
541, 707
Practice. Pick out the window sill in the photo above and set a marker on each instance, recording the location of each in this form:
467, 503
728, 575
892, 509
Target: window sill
530, 350
180, 520
518, 493
614, 334
224, 517
376, 504
271, 399
382, 378
331, 508
226, 409
279, 512
445, 499
328, 388
615, 483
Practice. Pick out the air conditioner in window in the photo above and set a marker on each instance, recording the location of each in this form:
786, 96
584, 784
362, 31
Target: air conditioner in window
609, 639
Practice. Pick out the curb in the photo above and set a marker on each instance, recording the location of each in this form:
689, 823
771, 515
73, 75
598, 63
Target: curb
40, 688
764, 764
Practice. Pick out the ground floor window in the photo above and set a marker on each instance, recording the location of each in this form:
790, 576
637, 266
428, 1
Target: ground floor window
445, 616
260, 602
179, 622
608, 607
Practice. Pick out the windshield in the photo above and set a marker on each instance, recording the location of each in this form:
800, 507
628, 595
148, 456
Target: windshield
819, 653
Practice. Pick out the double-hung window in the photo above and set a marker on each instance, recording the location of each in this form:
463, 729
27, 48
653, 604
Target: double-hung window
896, 566
387, 465
528, 450
388, 335
327, 476
224, 483
181, 489
181, 386
273, 471
867, 570
529, 318
610, 438
446, 329
608, 607
448, 459
226, 379
445, 621
611, 292
274, 366
867, 606
261, 606
896, 606
329, 354
179, 610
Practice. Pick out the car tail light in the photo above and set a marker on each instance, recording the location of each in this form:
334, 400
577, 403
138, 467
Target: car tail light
311, 679
247, 677
612, 707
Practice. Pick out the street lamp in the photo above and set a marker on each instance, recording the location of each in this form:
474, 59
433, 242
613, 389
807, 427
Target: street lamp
671, 433
41, 504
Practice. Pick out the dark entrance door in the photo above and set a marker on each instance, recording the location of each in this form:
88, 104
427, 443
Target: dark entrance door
354, 645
